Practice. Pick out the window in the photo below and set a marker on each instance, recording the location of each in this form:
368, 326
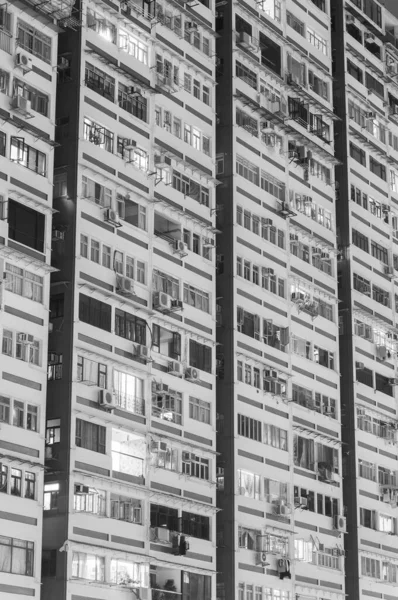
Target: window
195, 466
317, 41
247, 170
130, 327
246, 74
275, 437
377, 168
163, 456
128, 391
199, 356
191, 188
304, 452
370, 567
98, 135
197, 298
98, 23
17, 556
249, 484
379, 252
295, 23
199, 410
93, 501
34, 41
195, 525
30, 485
133, 46
248, 538
164, 516
27, 156
196, 586
129, 574
100, 82
271, 54
275, 490
354, 71
360, 240
90, 436
53, 431
250, 428
358, 154
96, 192
91, 372
128, 453
124, 508
3, 143
48, 563
166, 342
165, 283
374, 85
38, 100
51, 494
88, 566
94, 312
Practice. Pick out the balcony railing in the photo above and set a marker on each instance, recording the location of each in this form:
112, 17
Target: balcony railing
162, 594
130, 403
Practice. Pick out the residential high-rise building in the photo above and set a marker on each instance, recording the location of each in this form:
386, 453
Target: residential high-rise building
130, 491
28, 59
281, 528
366, 99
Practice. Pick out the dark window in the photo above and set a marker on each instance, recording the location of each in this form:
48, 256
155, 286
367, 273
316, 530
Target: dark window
270, 54
246, 74
90, 436
372, 10
355, 32
164, 516
365, 376
195, 525
354, 71
358, 154
379, 252
135, 105
3, 142
360, 240
48, 563
196, 586
56, 306
26, 225
94, 312
250, 428
374, 84
321, 4
242, 25
199, 356
383, 384
377, 168
130, 327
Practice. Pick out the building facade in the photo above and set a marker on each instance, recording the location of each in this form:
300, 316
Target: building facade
366, 98
130, 492
28, 57
281, 528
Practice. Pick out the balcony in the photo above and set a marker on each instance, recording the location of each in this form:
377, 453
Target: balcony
165, 583
5, 42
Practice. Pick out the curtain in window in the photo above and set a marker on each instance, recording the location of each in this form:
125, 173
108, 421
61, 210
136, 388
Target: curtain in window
5, 555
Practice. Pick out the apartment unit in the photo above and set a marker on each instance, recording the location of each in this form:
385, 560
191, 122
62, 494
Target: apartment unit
366, 98
280, 533
28, 55
130, 491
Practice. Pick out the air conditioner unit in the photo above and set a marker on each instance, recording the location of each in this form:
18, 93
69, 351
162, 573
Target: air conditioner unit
303, 502
191, 374
268, 271
124, 286
325, 256
24, 61
162, 534
176, 304
129, 144
191, 26
175, 368
267, 222
208, 243
389, 270
385, 208
134, 92
106, 400
270, 374
370, 115
339, 523
81, 490
142, 351
160, 162
180, 247
21, 104
246, 41
161, 301
25, 338
58, 235
329, 411
351, 19
262, 559
369, 37
393, 381
111, 216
